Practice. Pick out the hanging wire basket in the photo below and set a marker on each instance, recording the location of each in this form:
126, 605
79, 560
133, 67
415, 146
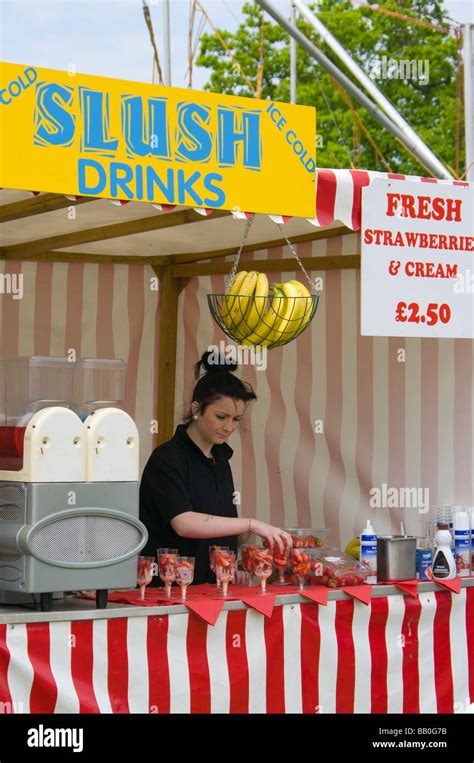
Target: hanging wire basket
263, 320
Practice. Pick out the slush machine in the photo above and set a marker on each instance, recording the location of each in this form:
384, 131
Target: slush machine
69, 474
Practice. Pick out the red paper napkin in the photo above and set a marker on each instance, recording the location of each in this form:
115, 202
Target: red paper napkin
361, 592
409, 586
317, 594
153, 598
263, 604
208, 610
453, 585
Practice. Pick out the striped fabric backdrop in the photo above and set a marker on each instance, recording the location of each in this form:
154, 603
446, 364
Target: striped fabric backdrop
399, 655
105, 311
403, 424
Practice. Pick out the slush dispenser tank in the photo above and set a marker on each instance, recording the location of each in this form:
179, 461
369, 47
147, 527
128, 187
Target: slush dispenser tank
98, 383
28, 384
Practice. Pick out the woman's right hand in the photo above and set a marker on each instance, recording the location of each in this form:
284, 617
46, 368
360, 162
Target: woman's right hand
273, 535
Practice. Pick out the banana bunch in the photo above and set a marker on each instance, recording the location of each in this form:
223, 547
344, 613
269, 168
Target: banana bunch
353, 548
248, 316
246, 301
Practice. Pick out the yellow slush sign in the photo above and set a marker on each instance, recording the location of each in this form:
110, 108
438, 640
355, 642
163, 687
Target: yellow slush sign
85, 135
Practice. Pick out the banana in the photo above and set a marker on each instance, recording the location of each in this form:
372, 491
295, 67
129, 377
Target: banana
228, 301
256, 309
265, 325
302, 287
293, 312
353, 548
307, 303
304, 293
241, 302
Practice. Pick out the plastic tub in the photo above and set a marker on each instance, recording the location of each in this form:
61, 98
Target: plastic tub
28, 384
98, 383
308, 538
337, 570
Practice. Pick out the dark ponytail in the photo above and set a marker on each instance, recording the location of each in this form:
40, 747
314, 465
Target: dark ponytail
218, 380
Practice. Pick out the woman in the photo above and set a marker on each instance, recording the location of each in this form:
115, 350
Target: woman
187, 490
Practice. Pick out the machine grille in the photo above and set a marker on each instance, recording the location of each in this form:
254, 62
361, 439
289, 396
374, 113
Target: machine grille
12, 502
85, 539
10, 513
10, 574
9, 557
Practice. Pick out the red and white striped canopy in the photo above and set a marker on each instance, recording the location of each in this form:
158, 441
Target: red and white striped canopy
338, 197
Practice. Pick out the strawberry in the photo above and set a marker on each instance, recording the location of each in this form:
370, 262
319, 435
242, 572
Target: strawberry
221, 561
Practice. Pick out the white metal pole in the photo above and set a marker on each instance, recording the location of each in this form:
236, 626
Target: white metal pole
293, 57
422, 150
167, 47
351, 88
468, 59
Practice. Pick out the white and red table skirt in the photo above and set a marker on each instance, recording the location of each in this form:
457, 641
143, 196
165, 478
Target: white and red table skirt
399, 654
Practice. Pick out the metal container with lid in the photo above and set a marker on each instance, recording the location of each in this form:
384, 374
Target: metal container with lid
396, 558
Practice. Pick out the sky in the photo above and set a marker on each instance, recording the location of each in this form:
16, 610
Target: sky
110, 38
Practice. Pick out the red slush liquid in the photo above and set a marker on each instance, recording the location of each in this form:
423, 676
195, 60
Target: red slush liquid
11, 448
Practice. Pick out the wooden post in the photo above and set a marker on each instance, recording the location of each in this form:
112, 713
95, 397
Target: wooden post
170, 289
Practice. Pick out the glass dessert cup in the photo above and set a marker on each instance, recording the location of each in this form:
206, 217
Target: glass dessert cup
280, 560
248, 562
167, 567
300, 564
184, 573
225, 570
144, 573
212, 559
263, 567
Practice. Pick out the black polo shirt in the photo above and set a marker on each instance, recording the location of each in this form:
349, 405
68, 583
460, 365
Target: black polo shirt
178, 477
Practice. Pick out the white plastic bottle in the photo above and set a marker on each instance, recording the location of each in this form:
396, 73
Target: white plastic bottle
462, 542
451, 512
444, 566
368, 550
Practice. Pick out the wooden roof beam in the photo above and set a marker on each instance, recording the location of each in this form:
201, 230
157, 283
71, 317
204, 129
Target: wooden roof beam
89, 258
105, 232
284, 265
38, 205
342, 230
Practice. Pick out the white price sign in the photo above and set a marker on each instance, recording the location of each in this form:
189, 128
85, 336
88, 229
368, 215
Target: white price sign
417, 270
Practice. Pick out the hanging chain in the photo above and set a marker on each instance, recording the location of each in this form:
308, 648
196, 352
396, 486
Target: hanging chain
295, 254
229, 280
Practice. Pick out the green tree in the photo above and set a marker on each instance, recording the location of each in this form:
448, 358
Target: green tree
372, 38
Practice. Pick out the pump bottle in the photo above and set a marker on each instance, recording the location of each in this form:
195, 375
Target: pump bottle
444, 566
368, 550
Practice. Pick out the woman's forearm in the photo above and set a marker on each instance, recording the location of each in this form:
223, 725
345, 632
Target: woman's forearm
192, 524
